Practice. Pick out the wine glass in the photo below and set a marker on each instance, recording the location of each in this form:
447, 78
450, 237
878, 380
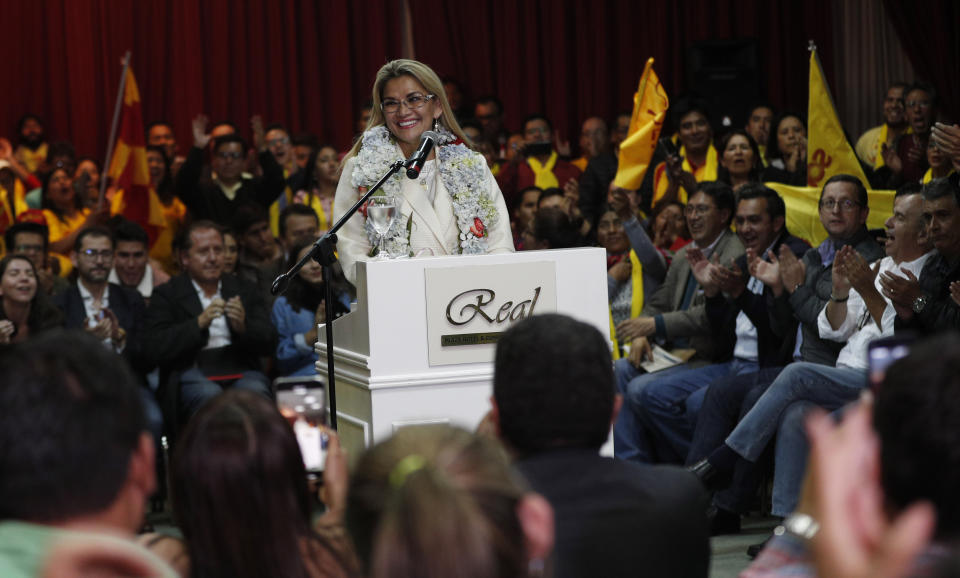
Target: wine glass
381, 212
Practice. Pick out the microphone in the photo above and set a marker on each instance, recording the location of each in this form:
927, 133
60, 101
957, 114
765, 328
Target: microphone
415, 163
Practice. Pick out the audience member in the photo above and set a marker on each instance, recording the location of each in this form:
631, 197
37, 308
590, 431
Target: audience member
60, 155
454, 92
639, 252
948, 139
15, 181
32, 146
208, 327
598, 172
231, 254
297, 313
594, 140
553, 403
740, 161
174, 211
218, 199
524, 210
436, 501
488, 111
870, 145
551, 228
132, 268
64, 212
298, 226
872, 502
77, 462
30, 240
621, 129
160, 134
695, 162
240, 498
923, 302
787, 157
25, 310
758, 127
86, 181
906, 159
668, 228
538, 163
676, 314
939, 163
304, 145
363, 118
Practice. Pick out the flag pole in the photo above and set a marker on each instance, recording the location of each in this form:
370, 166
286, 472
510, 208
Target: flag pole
113, 129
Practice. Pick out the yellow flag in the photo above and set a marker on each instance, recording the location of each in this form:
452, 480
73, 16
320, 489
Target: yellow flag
828, 151
650, 105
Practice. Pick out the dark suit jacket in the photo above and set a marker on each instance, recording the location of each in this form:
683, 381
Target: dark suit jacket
621, 519
206, 200
774, 344
174, 341
126, 304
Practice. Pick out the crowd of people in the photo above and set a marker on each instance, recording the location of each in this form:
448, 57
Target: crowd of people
699, 259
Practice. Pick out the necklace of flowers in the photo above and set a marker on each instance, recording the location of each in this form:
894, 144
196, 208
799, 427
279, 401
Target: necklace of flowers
463, 173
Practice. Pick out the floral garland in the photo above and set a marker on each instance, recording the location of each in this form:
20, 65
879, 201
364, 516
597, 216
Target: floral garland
462, 171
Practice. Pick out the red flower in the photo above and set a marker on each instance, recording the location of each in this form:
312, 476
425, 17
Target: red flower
478, 229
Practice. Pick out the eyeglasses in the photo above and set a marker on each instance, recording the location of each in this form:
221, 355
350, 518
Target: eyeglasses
845, 205
230, 156
415, 101
94, 254
698, 210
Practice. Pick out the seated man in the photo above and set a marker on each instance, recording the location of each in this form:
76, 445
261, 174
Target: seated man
856, 314
554, 399
676, 313
77, 461
261, 254
209, 327
537, 164
132, 266
668, 407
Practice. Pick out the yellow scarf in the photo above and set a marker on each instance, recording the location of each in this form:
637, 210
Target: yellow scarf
928, 176
636, 299
31, 160
315, 204
882, 140
543, 174
706, 172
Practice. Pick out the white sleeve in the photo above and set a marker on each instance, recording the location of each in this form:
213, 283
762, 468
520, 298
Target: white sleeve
352, 242
855, 309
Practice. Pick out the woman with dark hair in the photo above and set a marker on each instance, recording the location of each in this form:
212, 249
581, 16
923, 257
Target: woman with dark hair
64, 212
297, 314
24, 310
668, 228
740, 161
787, 155
240, 496
437, 501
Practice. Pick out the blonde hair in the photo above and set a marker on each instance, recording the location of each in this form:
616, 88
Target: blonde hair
437, 501
430, 82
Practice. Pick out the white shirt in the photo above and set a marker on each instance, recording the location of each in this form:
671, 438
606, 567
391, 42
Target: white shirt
746, 331
93, 309
145, 288
219, 330
858, 328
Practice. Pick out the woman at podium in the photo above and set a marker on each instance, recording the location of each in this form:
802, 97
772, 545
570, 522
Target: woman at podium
453, 207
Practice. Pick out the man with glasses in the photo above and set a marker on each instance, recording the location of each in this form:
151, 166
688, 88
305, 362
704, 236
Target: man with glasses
111, 313
218, 199
905, 161
676, 315
538, 164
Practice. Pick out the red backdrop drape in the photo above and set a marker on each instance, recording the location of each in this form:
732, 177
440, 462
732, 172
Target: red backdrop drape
576, 58
309, 63
306, 63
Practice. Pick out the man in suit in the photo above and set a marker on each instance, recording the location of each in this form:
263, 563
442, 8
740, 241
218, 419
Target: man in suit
209, 327
676, 314
109, 312
554, 400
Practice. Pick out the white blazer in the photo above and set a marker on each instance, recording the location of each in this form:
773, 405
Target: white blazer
434, 226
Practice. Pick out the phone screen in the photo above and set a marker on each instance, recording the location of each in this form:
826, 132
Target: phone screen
303, 402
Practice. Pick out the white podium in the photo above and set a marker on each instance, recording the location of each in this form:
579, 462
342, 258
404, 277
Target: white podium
387, 375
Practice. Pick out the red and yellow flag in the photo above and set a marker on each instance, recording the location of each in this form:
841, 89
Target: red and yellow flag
128, 167
650, 105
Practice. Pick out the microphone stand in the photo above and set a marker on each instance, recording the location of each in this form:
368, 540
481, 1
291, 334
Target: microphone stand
324, 253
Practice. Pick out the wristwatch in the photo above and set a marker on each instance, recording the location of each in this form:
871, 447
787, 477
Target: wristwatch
919, 303
800, 525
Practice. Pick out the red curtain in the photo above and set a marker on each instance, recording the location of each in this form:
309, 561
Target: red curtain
306, 63
928, 33
577, 58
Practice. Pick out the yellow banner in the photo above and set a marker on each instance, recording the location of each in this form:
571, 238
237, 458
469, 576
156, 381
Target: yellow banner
650, 105
803, 210
828, 151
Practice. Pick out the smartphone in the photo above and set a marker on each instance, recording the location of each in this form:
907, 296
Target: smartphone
538, 149
884, 351
303, 402
668, 147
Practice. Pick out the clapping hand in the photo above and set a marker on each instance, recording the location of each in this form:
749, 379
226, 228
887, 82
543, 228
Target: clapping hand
236, 314
901, 291
768, 272
792, 270
7, 329
891, 158
214, 310
703, 270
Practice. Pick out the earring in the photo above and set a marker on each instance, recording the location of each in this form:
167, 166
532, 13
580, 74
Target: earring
436, 124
